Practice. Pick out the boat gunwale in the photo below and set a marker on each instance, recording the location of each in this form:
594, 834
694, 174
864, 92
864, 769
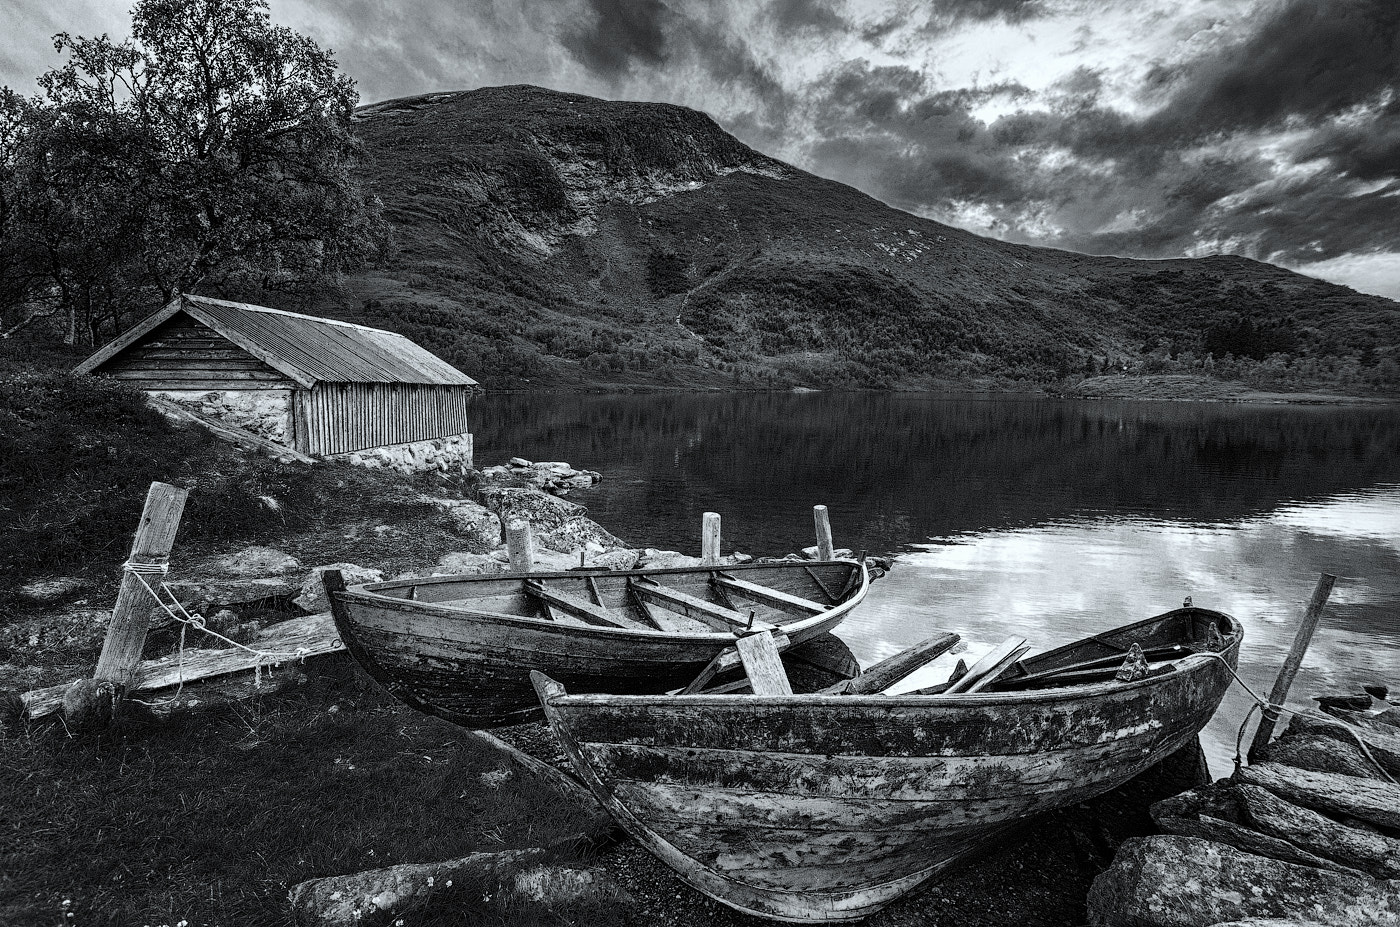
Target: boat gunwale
368, 594
1070, 692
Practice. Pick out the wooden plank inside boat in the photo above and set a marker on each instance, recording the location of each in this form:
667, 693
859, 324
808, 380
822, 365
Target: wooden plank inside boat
593, 614
759, 654
763, 594
717, 616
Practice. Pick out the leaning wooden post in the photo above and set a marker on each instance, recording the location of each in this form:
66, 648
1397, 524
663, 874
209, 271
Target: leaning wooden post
1279, 695
709, 538
520, 545
826, 550
150, 554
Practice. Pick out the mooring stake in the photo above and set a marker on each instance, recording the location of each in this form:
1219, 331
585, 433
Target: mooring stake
1265, 732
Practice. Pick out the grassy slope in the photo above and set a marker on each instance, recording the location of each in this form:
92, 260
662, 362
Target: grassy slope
547, 239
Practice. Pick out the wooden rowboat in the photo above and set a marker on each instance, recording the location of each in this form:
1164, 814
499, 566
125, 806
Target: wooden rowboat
827, 807
461, 647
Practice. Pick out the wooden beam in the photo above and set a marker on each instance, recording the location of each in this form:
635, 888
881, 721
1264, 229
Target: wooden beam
1279, 695
709, 538
998, 669
725, 661
520, 545
226, 432
891, 670
155, 535
826, 549
587, 611
717, 616
767, 596
989, 662
315, 634
759, 654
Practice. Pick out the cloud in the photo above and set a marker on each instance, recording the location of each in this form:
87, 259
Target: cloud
622, 33
798, 16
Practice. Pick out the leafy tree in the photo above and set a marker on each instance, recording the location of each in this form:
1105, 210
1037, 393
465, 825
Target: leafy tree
212, 149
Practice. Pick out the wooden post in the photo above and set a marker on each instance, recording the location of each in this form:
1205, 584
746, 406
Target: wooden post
155, 535
1279, 695
826, 550
520, 545
709, 538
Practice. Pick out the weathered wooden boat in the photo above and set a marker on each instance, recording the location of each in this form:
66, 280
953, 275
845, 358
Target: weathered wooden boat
827, 807
461, 647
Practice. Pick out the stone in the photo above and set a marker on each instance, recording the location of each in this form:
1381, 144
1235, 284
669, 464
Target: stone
458, 562
373, 898
52, 589
520, 462
472, 522
1377, 690
558, 886
738, 557
558, 465
255, 562
1271, 922
1322, 753
1390, 716
621, 558
312, 597
1352, 701
88, 704
665, 559
556, 524
1171, 881
203, 595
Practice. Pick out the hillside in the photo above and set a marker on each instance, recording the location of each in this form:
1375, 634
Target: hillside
549, 239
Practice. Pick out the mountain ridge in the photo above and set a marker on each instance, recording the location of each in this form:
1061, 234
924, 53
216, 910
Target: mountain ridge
553, 239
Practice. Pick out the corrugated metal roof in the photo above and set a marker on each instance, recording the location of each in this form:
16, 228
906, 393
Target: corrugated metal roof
311, 349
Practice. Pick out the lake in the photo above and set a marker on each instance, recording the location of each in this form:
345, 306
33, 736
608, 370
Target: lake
1050, 519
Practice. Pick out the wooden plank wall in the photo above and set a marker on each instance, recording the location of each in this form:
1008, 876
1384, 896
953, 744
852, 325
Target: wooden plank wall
184, 354
342, 417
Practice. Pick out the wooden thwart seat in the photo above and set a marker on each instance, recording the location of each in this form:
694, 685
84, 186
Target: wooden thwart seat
763, 594
885, 674
586, 611
716, 616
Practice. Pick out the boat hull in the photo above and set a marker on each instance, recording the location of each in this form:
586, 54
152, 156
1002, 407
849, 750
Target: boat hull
826, 808
456, 651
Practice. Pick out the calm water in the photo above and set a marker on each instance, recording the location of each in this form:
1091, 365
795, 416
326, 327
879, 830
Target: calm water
1044, 518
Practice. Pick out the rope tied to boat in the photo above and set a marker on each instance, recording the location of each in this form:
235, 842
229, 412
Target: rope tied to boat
179, 613
1262, 704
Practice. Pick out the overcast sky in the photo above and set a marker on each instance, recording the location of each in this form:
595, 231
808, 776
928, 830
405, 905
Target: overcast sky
1147, 128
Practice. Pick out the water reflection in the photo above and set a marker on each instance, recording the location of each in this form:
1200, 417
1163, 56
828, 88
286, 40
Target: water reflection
1058, 582
1047, 518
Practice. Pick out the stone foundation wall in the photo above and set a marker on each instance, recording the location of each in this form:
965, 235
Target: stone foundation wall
267, 413
452, 454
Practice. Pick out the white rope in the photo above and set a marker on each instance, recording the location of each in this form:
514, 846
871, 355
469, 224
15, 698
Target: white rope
142, 570
1264, 705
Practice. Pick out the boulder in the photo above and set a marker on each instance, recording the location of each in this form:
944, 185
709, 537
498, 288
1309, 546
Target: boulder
1271, 922
52, 589
1323, 753
556, 524
474, 523
374, 897
651, 558
457, 562
255, 562
621, 558
204, 595
1354, 701
1171, 881
312, 596
520, 462
556, 887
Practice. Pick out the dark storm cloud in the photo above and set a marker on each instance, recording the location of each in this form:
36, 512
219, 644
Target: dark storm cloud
1311, 59
797, 16
943, 12
619, 33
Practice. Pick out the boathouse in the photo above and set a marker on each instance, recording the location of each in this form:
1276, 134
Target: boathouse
322, 387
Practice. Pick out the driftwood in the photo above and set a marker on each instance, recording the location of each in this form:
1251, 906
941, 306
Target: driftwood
315, 635
1365, 799
1254, 819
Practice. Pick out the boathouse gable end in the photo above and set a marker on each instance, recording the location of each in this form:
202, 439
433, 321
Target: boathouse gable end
323, 387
